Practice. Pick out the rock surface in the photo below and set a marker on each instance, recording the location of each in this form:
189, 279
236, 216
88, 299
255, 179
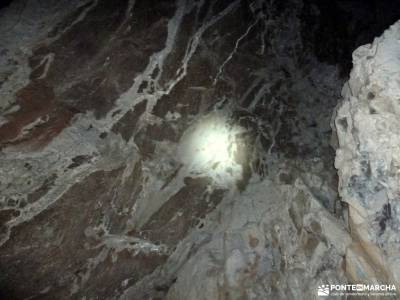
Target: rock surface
101, 196
368, 159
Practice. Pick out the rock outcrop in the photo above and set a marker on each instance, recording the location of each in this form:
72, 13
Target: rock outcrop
255, 246
109, 186
368, 159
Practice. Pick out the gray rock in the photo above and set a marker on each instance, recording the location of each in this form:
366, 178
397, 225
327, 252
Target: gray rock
368, 158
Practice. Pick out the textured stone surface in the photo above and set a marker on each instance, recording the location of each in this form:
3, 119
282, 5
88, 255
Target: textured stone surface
368, 158
276, 246
101, 195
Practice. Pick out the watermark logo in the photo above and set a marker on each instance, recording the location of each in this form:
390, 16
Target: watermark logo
323, 290
356, 290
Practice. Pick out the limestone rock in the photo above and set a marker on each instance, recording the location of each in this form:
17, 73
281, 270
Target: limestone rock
368, 158
109, 186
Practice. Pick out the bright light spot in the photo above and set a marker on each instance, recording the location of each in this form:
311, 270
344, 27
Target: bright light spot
213, 144
209, 147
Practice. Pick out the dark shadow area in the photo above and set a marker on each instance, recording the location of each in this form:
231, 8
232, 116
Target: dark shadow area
334, 29
5, 3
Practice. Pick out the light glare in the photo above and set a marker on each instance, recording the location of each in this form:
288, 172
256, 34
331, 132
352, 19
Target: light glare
209, 148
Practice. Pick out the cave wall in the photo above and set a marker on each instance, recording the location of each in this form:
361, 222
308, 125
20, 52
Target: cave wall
367, 159
97, 201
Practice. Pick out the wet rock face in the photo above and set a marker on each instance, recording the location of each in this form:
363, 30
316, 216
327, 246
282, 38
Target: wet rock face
368, 158
105, 193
